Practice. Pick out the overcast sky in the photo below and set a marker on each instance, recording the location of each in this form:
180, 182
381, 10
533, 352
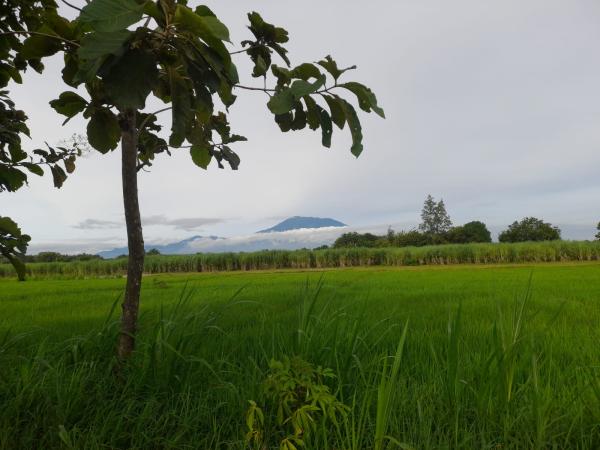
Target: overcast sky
493, 106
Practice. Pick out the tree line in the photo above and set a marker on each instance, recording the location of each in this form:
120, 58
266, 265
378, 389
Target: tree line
436, 228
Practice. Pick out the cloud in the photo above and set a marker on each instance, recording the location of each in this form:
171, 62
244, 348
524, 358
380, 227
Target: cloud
96, 224
184, 223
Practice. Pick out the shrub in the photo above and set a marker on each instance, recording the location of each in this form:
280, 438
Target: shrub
530, 229
295, 402
355, 239
412, 238
475, 231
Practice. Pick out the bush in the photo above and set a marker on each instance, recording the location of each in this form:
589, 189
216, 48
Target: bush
475, 231
355, 239
530, 229
412, 238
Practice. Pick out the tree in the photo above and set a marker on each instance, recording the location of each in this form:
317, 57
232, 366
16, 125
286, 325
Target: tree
412, 238
598, 233
530, 229
153, 252
355, 239
13, 245
124, 51
18, 18
435, 219
475, 231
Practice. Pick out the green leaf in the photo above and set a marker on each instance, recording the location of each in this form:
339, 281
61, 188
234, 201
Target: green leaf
337, 111
99, 44
131, 79
326, 127
313, 115
34, 168
285, 100
69, 104
37, 46
300, 88
260, 67
207, 27
266, 31
355, 127
284, 121
111, 15
11, 179
58, 175
95, 49
201, 155
231, 157
299, 121
182, 112
305, 71
9, 227
103, 130
331, 66
203, 104
70, 164
366, 98
282, 102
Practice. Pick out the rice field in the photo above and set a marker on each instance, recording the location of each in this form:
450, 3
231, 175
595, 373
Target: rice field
437, 357
494, 253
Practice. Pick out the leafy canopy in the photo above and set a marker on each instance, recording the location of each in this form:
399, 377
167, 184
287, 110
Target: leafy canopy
124, 51
530, 229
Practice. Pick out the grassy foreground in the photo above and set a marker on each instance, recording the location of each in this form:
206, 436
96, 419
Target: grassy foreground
493, 357
492, 253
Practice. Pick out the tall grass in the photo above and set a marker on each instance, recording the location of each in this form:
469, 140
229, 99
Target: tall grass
496, 253
472, 382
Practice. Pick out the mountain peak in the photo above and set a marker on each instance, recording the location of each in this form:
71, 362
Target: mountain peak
300, 222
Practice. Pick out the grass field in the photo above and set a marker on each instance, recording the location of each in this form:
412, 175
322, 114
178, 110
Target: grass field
474, 253
493, 357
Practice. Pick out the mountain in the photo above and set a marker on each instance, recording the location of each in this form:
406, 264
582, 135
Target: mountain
298, 223
174, 248
293, 233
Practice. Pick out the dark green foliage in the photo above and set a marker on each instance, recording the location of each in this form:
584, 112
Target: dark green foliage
475, 253
295, 402
598, 233
435, 221
470, 232
16, 164
184, 64
412, 238
530, 229
475, 231
16, 17
13, 245
46, 257
153, 252
355, 239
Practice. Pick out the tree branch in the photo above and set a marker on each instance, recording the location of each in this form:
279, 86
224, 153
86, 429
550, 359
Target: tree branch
251, 88
145, 121
35, 33
72, 6
326, 90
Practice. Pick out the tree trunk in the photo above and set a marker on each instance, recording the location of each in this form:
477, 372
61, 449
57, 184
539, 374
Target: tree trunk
135, 238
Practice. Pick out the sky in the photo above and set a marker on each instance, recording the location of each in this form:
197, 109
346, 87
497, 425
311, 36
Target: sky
492, 106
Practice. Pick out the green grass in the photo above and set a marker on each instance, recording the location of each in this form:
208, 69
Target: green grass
493, 357
493, 253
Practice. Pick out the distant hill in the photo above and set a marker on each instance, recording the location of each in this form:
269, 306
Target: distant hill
298, 222
174, 248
